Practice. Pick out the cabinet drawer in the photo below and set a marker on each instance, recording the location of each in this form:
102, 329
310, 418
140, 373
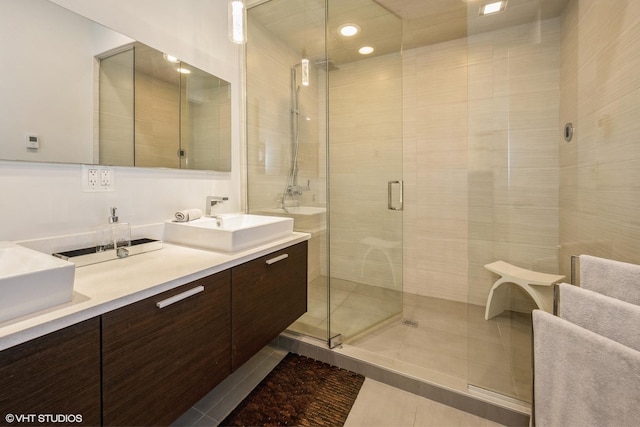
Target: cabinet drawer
162, 354
58, 373
268, 294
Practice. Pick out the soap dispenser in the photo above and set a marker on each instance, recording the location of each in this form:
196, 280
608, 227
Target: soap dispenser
113, 235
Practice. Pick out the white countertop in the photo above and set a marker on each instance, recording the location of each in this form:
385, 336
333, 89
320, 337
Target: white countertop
103, 287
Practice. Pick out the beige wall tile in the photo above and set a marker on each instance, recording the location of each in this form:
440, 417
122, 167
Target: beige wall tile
484, 111
598, 212
487, 174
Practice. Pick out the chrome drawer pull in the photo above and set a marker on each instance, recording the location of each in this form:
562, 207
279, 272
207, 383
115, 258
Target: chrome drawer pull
179, 297
276, 259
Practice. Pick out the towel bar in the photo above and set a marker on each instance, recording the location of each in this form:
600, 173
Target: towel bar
574, 258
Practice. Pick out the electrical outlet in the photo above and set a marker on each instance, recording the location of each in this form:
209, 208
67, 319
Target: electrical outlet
105, 177
92, 178
97, 178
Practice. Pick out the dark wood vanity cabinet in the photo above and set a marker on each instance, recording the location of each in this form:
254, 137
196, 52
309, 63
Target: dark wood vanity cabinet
268, 295
54, 379
160, 356
148, 362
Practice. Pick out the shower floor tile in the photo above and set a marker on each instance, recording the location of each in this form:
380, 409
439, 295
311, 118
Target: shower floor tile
451, 338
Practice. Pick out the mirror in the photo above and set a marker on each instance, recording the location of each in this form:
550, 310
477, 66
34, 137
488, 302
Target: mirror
158, 111
55, 107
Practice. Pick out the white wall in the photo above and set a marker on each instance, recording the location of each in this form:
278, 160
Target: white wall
48, 88
43, 200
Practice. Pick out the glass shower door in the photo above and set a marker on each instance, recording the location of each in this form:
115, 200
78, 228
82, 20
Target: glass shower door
512, 186
365, 212
328, 152
286, 95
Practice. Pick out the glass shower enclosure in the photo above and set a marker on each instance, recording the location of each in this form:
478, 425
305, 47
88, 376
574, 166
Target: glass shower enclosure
479, 115
324, 132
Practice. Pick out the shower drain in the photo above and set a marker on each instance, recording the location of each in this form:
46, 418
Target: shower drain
410, 322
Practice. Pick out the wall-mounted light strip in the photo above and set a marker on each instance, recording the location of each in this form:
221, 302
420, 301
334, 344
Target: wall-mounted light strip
305, 72
492, 7
237, 22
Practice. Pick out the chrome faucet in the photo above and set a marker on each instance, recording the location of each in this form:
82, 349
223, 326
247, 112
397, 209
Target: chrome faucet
212, 201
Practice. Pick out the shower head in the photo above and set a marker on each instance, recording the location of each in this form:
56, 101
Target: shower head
304, 69
326, 63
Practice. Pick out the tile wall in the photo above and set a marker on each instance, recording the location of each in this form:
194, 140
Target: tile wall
599, 185
270, 145
487, 173
478, 123
269, 141
513, 165
365, 149
481, 120
435, 168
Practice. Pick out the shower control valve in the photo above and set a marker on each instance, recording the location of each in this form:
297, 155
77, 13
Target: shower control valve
298, 189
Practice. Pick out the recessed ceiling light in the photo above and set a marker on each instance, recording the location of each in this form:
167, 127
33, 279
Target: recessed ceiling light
349, 30
365, 50
493, 7
184, 71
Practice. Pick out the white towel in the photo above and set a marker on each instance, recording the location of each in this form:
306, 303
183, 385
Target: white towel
188, 215
581, 378
612, 278
606, 316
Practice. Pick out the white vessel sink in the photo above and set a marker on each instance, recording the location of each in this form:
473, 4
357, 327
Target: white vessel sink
32, 281
228, 233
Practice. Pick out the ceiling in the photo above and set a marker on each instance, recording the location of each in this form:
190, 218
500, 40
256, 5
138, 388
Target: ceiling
387, 25
435, 21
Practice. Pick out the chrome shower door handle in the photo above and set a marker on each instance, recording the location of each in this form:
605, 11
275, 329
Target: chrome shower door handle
390, 203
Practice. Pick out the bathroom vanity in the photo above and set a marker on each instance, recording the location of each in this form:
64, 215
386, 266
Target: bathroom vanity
146, 355
157, 358
58, 373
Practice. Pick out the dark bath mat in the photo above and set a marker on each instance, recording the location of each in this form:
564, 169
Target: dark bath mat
299, 392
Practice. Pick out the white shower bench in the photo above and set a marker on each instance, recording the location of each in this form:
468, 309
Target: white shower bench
537, 285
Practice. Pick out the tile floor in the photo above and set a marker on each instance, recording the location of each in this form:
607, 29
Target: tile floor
451, 340
219, 402
380, 404
377, 404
